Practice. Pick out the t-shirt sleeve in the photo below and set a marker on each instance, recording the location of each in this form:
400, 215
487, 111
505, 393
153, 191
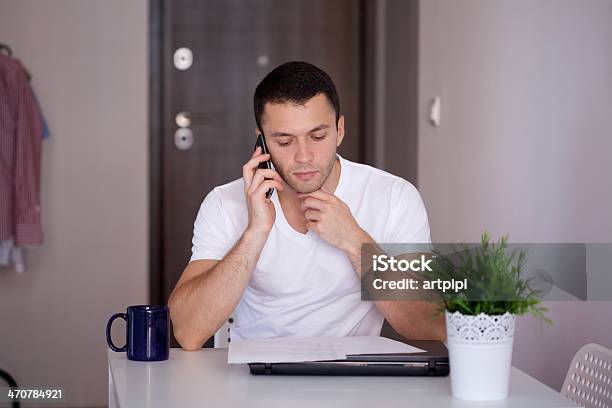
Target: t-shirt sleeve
409, 223
210, 233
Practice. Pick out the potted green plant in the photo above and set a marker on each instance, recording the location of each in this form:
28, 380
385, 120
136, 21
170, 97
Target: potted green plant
480, 319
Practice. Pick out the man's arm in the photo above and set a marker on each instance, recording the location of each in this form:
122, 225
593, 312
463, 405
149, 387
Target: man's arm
209, 290
413, 319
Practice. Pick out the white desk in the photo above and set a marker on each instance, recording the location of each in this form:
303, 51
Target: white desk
203, 378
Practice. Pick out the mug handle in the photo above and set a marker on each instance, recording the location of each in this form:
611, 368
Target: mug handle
108, 332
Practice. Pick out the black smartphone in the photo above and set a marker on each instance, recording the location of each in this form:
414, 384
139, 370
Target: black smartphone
261, 142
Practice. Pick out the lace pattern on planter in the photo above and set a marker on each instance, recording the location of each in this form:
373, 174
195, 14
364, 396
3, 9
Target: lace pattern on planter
480, 328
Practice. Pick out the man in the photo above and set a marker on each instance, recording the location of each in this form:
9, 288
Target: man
290, 264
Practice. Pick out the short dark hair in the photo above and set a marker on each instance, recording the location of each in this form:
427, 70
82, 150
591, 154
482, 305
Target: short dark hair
295, 82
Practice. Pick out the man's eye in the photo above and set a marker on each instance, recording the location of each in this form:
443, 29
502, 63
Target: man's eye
283, 144
319, 137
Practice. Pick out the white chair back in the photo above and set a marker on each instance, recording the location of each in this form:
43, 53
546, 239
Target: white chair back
222, 336
589, 379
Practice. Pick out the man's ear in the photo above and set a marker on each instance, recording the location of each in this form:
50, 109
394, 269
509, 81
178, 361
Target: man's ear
257, 131
340, 130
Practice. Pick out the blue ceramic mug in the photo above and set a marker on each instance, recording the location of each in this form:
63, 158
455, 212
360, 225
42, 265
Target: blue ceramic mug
147, 334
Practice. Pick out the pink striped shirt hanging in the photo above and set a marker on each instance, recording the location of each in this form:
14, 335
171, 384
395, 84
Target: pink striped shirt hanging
20, 155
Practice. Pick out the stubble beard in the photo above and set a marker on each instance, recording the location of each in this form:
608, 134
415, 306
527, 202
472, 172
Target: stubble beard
307, 186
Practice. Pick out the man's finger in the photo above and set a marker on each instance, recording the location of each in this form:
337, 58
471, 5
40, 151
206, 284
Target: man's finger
255, 160
261, 175
265, 186
312, 226
318, 194
249, 168
312, 215
313, 203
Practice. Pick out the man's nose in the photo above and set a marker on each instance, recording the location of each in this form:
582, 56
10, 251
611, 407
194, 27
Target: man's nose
303, 153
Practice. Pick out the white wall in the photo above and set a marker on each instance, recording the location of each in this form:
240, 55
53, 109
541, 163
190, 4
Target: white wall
525, 144
88, 60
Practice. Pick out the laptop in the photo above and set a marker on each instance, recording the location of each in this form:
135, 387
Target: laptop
433, 362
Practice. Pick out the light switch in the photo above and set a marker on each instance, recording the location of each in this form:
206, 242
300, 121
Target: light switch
434, 112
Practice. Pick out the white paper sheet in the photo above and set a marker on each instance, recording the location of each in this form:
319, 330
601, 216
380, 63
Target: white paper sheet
292, 349
372, 345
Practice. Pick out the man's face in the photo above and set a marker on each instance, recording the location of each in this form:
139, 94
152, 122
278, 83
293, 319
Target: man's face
302, 141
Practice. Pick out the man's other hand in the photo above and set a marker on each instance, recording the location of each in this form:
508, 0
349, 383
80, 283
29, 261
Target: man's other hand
331, 219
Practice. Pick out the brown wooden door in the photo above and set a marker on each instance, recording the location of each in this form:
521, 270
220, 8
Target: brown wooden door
234, 44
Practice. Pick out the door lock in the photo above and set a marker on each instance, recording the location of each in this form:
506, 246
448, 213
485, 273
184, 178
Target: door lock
183, 138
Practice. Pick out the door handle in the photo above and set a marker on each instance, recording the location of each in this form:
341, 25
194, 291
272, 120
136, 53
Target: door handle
185, 119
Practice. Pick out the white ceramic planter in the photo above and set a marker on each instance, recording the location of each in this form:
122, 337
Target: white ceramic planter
480, 352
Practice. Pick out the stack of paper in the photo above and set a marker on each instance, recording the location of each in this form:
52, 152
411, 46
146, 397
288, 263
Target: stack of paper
298, 349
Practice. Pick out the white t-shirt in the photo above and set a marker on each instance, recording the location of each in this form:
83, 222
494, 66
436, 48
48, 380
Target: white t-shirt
301, 285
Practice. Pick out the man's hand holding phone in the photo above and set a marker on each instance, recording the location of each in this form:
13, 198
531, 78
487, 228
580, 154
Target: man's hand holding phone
209, 290
257, 182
